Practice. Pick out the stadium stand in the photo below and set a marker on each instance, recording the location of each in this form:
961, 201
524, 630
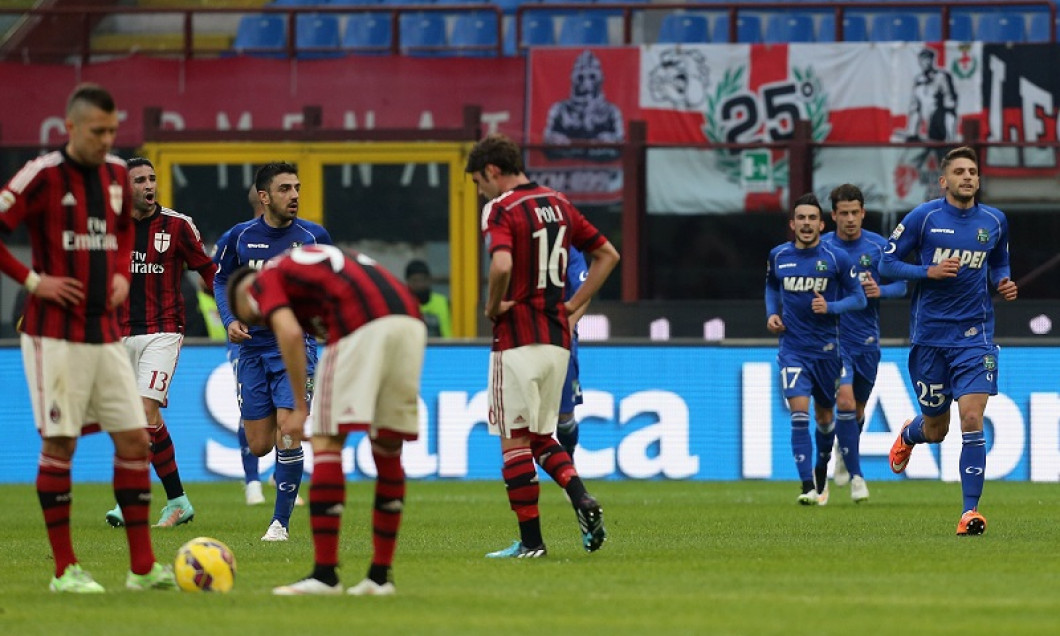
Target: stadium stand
793, 27
261, 36
1001, 27
684, 28
367, 34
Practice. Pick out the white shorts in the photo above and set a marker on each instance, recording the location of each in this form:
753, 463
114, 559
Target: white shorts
370, 380
79, 388
525, 386
154, 361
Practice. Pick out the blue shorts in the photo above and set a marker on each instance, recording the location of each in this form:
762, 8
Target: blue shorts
859, 370
802, 376
572, 386
943, 374
262, 385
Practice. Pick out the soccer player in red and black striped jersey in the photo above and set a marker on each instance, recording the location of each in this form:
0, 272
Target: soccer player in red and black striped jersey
76, 205
368, 378
528, 231
152, 322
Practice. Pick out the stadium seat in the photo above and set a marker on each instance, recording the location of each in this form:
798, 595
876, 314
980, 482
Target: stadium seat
474, 34
855, 28
296, 3
352, 3
684, 28
583, 29
791, 27
748, 29
367, 34
1039, 27
1001, 27
538, 30
314, 32
895, 27
960, 27
423, 34
261, 36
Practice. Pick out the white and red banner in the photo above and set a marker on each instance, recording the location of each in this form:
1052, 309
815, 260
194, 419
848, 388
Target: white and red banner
753, 94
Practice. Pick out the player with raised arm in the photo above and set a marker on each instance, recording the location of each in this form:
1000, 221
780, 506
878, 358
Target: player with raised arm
152, 322
265, 398
859, 336
959, 249
808, 284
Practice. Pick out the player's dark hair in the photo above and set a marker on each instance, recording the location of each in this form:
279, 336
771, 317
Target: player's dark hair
962, 152
93, 95
233, 283
807, 199
846, 192
496, 149
265, 174
139, 162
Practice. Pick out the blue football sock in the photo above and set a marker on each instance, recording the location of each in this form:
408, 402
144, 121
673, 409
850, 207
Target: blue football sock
825, 439
973, 468
802, 444
861, 423
849, 436
250, 460
914, 433
567, 434
288, 475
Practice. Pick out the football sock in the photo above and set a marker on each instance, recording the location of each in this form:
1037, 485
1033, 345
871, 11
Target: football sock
250, 460
824, 435
567, 433
914, 433
288, 474
327, 496
164, 459
388, 506
557, 463
132, 491
849, 434
802, 445
520, 478
973, 468
325, 574
381, 574
53, 491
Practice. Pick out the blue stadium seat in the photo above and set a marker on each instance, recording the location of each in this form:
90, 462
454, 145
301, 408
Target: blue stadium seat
895, 27
583, 29
352, 3
474, 34
423, 34
960, 27
295, 3
684, 28
317, 31
789, 27
748, 29
855, 28
1039, 27
1001, 27
367, 34
261, 36
538, 30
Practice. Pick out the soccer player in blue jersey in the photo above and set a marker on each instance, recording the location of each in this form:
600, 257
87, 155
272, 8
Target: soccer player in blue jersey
959, 250
265, 397
859, 336
808, 284
567, 427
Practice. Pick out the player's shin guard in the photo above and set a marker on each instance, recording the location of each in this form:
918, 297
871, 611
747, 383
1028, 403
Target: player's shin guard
250, 460
849, 435
973, 468
802, 445
53, 491
289, 464
520, 478
551, 456
327, 496
387, 509
132, 490
164, 459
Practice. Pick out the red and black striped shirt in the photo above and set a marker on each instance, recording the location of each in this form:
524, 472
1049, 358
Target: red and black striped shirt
331, 292
537, 225
165, 242
79, 225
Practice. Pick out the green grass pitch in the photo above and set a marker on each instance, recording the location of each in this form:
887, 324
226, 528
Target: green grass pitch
682, 558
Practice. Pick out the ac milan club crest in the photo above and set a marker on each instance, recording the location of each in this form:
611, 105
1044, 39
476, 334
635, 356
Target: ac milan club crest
162, 241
